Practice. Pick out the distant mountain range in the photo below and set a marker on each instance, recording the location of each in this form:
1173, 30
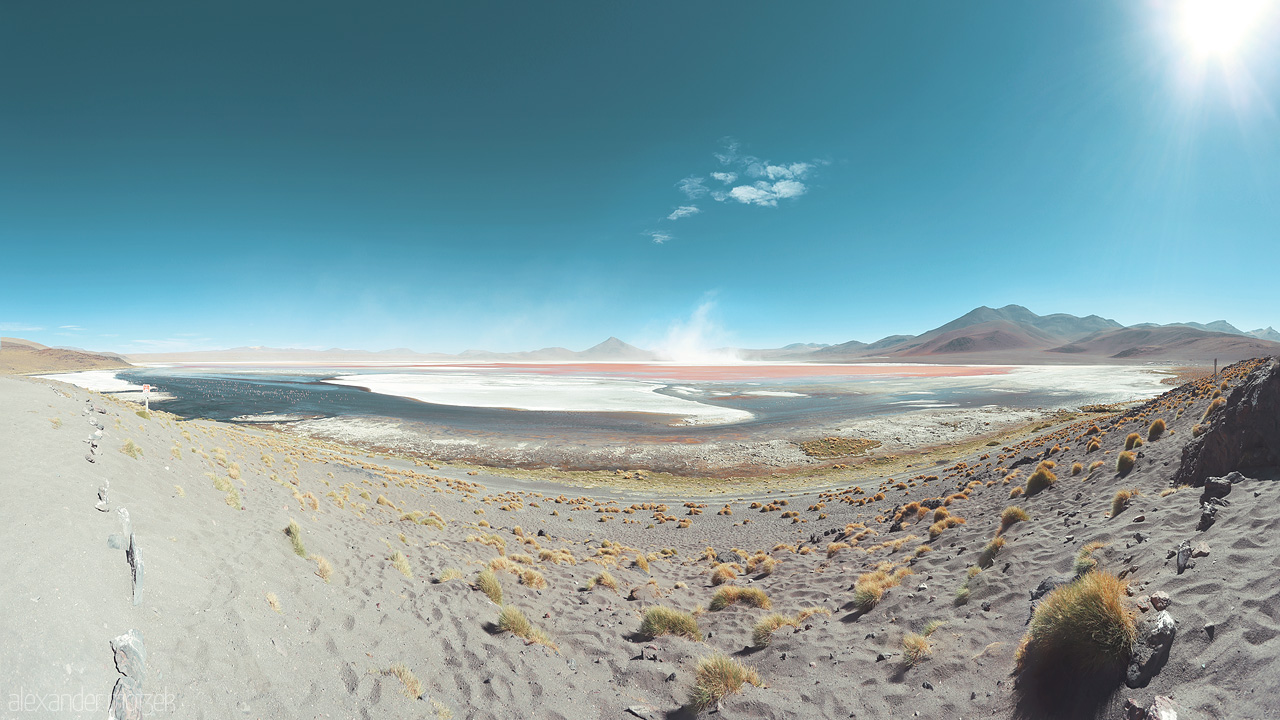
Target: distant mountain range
19, 356
1011, 334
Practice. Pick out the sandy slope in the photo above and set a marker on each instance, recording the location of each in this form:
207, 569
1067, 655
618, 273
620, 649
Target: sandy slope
216, 648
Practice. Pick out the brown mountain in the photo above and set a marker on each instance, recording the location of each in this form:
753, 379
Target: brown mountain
23, 357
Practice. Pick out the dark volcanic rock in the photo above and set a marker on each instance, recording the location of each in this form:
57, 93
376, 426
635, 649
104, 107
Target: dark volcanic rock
1151, 651
1244, 433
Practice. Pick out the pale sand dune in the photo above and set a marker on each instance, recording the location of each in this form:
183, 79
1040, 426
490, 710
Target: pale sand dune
216, 649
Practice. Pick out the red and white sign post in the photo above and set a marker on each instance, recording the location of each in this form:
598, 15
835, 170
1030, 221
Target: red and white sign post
146, 397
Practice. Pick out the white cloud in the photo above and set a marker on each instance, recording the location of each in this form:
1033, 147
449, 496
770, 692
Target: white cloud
693, 187
70, 327
730, 154
18, 327
725, 177
787, 172
683, 211
659, 236
767, 194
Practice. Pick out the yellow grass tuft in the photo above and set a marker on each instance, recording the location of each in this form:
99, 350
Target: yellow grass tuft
762, 632
659, 620
729, 595
401, 563
716, 677
1132, 441
1214, 407
487, 583
533, 579
1125, 462
604, 579
512, 620
870, 587
131, 449
1042, 479
723, 573
323, 568
449, 574
273, 601
1156, 430
1085, 562
294, 534
1121, 500
915, 647
1011, 516
412, 685
987, 557
1080, 627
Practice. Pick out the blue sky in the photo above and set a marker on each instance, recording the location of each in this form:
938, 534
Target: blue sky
512, 175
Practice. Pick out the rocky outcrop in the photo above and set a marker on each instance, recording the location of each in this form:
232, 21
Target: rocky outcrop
1245, 433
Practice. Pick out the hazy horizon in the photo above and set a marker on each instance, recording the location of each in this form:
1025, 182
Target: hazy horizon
517, 177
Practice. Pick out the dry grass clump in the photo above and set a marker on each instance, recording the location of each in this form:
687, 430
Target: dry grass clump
1156, 430
1042, 479
295, 536
726, 596
659, 620
1016, 492
1170, 490
501, 563
716, 677
557, 557
1095, 465
943, 525
449, 574
987, 557
1080, 627
273, 601
401, 563
723, 573
412, 685
835, 547
513, 621
1076, 468
869, 587
533, 579
1214, 407
324, 569
915, 647
1085, 562
1011, 516
762, 631
487, 583
1125, 462
1121, 500
1132, 441
131, 449
604, 579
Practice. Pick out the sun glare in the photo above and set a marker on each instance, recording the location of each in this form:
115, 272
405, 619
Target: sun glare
1220, 28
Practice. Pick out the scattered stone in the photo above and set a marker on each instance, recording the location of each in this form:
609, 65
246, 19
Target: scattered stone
1184, 556
116, 541
126, 700
1162, 708
1160, 600
926, 685
1199, 550
90, 458
1151, 651
986, 606
640, 711
1208, 514
104, 505
134, 555
130, 655
883, 656
1210, 628
1141, 537
1140, 518
1134, 711
671, 677
1216, 487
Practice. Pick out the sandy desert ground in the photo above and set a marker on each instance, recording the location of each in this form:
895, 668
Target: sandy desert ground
884, 608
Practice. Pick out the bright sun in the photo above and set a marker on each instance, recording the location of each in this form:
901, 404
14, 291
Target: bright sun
1219, 28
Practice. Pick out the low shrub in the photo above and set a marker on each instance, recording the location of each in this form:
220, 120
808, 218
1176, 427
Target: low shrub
716, 677
1080, 627
660, 620
730, 595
